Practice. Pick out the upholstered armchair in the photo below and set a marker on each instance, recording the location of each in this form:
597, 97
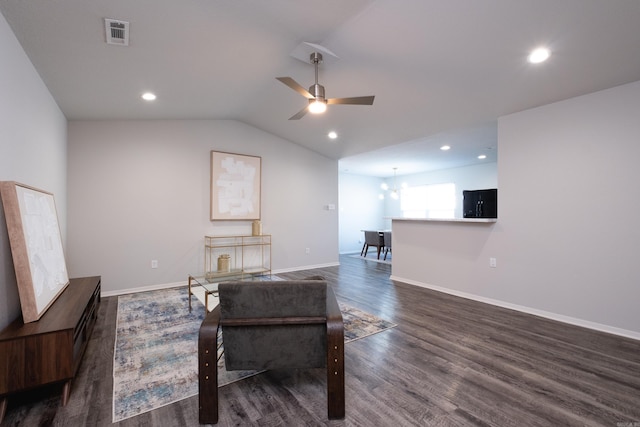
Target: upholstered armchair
273, 325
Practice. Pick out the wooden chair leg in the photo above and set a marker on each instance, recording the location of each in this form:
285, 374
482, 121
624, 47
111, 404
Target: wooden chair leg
362, 251
366, 249
208, 368
335, 384
335, 363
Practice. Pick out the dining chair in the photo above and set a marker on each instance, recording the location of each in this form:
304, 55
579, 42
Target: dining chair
373, 238
387, 243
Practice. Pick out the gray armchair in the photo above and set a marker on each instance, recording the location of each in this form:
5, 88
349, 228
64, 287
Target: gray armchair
273, 325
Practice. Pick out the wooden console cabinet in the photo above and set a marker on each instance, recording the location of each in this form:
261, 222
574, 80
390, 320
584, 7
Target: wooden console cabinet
49, 350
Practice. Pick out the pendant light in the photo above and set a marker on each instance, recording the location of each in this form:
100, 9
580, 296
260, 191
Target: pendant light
394, 193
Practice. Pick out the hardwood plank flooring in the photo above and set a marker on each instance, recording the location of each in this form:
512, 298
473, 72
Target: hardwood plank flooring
449, 362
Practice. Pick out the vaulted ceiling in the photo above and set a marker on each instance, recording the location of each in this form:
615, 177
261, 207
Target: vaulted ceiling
441, 71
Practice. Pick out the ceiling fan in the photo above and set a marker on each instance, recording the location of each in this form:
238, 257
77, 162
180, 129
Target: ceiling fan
317, 102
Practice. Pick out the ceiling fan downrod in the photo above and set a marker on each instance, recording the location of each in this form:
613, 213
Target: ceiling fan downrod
316, 90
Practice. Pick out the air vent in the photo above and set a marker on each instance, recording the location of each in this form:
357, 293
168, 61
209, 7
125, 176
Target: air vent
117, 32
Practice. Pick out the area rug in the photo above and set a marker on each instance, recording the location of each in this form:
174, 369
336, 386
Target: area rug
373, 256
155, 356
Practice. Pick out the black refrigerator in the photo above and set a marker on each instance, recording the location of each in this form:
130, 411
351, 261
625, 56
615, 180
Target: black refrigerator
480, 203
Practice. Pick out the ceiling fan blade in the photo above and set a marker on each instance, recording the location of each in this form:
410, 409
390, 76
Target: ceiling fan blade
300, 114
358, 100
295, 86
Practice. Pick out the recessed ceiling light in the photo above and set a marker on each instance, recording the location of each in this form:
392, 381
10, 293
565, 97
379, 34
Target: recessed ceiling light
445, 147
148, 96
332, 135
539, 55
482, 156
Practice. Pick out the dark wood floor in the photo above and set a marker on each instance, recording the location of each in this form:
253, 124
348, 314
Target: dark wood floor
449, 362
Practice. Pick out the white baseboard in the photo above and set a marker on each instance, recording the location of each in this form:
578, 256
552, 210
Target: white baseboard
306, 267
541, 313
143, 289
185, 283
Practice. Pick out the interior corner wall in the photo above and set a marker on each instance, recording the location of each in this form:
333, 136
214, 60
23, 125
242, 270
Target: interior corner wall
360, 209
33, 149
140, 191
565, 242
568, 183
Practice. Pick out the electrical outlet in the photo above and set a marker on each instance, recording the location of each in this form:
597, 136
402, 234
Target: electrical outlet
307, 251
154, 263
492, 263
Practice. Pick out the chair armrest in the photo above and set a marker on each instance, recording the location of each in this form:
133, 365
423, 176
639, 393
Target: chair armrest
208, 367
211, 320
335, 358
333, 309
335, 325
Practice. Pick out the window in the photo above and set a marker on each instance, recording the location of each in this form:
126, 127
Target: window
429, 201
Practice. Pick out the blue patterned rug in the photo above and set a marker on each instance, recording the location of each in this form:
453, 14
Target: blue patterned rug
156, 355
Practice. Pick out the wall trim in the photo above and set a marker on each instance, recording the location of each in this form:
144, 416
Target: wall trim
524, 309
185, 283
143, 289
306, 267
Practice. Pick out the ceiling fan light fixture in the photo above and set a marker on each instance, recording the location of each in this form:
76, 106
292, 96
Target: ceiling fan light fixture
317, 106
317, 101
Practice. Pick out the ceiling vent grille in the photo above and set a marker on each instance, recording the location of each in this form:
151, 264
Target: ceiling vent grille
117, 32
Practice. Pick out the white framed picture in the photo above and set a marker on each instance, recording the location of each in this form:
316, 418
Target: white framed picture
235, 186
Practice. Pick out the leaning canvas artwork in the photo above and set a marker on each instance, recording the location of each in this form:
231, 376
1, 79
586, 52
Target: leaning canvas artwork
36, 247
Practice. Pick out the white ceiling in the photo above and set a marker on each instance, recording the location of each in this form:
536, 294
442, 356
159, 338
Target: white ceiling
442, 71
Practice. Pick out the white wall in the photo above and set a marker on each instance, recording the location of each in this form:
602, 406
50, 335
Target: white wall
566, 243
139, 191
33, 149
360, 209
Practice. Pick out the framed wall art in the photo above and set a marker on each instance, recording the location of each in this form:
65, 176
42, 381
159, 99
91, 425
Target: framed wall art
36, 247
235, 186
